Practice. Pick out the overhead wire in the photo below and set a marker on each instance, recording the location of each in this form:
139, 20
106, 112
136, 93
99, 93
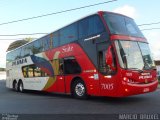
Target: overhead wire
45, 15
150, 29
63, 11
25, 34
145, 24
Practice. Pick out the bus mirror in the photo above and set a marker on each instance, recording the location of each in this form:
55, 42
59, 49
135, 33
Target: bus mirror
109, 58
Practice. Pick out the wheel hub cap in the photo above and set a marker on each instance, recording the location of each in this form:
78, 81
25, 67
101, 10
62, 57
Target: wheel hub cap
80, 89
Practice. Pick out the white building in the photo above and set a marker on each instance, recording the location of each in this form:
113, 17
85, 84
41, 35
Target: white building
158, 68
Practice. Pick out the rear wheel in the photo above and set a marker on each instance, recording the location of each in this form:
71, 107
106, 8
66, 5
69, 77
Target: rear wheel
15, 86
20, 87
79, 89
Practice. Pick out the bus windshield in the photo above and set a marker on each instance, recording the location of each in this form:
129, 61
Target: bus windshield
134, 55
122, 25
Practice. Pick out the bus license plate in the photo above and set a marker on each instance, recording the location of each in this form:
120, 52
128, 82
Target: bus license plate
146, 90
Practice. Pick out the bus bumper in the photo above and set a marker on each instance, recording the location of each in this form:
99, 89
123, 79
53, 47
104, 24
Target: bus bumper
129, 89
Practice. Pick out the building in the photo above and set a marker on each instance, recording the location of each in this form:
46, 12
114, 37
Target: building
157, 62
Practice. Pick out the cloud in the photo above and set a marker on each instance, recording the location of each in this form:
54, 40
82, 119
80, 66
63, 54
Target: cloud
153, 39
127, 10
3, 47
153, 36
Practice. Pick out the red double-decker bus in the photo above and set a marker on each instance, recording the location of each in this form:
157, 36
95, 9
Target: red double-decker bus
103, 54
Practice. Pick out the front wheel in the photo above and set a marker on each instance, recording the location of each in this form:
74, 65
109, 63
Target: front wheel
79, 90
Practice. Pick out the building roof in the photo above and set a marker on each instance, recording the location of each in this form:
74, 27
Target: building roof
157, 62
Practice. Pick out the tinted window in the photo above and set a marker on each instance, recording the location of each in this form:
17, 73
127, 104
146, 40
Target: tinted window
68, 34
25, 71
30, 71
23, 51
37, 72
122, 25
55, 39
46, 43
90, 26
33, 71
58, 66
10, 57
71, 66
16, 54
37, 46
27, 50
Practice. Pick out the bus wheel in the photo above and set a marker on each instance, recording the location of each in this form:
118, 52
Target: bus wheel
20, 86
15, 86
79, 89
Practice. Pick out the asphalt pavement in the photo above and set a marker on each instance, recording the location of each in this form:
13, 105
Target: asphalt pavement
33, 102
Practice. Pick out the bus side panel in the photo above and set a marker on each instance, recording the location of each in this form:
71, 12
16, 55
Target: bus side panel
89, 74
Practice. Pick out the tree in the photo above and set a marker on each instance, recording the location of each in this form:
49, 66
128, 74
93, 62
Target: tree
18, 43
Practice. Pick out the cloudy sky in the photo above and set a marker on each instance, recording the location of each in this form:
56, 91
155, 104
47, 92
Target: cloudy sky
142, 11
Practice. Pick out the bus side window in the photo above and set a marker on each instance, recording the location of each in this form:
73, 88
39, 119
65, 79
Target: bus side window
57, 65
103, 67
55, 39
33, 71
61, 67
30, 71
25, 71
90, 26
37, 47
37, 71
71, 66
102, 63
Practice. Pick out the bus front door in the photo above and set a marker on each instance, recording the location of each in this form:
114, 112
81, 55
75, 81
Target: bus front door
60, 78
108, 82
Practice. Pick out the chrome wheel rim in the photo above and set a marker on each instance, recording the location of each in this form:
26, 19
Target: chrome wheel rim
80, 89
21, 87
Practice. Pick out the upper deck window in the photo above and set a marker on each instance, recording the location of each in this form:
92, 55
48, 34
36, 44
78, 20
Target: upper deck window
68, 34
90, 26
119, 24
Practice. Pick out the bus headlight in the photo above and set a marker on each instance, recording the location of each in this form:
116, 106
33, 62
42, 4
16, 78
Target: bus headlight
125, 79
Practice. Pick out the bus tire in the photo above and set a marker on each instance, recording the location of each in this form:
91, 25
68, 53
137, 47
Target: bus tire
20, 87
15, 85
79, 89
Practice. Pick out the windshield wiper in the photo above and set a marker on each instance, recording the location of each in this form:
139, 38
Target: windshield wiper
149, 68
137, 69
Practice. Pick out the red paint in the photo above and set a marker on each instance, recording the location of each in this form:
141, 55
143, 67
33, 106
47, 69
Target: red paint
123, 37
94, 87
122, 83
